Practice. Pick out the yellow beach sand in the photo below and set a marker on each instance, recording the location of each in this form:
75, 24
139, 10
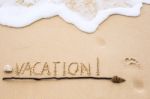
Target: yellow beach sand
116, 40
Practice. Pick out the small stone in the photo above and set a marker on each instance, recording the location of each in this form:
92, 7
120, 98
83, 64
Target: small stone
7, 69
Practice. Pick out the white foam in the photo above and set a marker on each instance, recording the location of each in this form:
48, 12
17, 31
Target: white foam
146, 1
87, 16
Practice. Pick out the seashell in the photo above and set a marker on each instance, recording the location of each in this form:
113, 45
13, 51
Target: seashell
8, 69
117, 79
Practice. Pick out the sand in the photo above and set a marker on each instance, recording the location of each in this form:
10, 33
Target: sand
117, 38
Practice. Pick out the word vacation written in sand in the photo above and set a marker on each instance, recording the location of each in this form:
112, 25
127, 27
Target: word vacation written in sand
58, 68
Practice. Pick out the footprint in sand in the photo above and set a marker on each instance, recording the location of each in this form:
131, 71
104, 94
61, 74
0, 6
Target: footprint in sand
101, 42
138, 85
138, 82
132, 62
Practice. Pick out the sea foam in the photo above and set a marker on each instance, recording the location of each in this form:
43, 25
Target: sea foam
86, 15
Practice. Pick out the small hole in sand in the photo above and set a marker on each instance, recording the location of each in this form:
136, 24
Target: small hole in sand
101, 42
139, 85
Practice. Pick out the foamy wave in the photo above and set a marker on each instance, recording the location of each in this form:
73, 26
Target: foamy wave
84, 14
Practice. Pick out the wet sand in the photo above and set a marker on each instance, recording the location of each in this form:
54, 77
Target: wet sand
119, 37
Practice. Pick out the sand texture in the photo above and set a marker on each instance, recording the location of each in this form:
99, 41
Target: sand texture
116, 40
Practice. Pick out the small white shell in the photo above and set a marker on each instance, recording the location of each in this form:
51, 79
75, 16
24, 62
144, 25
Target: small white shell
8, 68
